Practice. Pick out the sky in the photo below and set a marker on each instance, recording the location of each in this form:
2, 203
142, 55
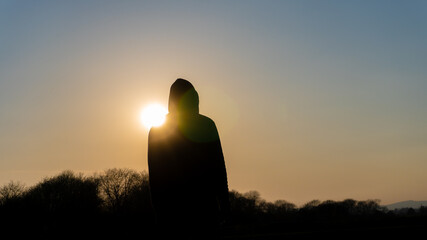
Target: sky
312, 99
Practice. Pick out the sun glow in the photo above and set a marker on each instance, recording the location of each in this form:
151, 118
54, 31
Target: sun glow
153, 115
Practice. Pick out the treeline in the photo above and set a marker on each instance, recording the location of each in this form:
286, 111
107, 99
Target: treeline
117, 203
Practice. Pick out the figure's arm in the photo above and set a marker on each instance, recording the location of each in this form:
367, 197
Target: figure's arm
152, 170
223, 194
221, 177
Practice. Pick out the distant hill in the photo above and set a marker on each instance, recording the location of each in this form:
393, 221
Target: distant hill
406, 204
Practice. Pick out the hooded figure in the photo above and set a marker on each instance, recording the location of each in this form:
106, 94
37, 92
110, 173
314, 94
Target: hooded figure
188, 179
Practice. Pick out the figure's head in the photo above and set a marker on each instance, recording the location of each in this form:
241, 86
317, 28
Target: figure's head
183, 98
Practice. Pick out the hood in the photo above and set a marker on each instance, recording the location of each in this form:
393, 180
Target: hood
183, 98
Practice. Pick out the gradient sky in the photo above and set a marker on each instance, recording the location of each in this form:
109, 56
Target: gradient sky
312, 99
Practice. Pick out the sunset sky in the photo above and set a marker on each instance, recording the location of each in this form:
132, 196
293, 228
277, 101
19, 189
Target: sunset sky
312, 99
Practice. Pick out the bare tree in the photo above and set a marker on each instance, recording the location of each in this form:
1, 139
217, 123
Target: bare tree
115, 185
254, 197
11, 190
312, 204
283, 206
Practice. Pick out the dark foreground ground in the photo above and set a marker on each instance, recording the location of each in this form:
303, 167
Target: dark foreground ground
126, 228
405, 232
405, 227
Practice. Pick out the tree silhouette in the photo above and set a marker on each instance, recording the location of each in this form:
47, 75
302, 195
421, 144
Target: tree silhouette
117, 203
312, 204
117, 185
64, 193
12, 190
63, 203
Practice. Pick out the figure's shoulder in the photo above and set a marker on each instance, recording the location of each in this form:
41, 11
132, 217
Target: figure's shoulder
152, 133
155, 129
206, 118
159, 132
206, 121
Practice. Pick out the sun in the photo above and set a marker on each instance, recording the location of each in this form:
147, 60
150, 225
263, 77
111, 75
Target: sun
153, 115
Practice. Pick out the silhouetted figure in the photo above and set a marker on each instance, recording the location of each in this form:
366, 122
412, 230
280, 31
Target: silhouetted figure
188, 179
